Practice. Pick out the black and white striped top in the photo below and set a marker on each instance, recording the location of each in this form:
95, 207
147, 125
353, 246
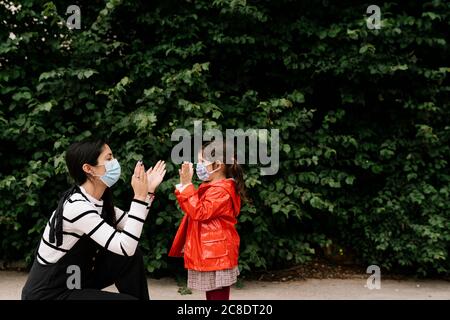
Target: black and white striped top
81, 216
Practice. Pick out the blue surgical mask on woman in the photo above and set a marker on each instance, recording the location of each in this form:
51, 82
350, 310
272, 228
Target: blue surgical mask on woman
203, 173
112, 173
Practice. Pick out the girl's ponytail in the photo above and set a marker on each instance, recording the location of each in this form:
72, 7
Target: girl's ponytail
235, 171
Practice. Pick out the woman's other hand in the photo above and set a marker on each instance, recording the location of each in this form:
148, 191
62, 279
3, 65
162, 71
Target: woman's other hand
155, 175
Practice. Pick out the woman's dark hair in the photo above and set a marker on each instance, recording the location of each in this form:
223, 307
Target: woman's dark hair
79, 153
232, 168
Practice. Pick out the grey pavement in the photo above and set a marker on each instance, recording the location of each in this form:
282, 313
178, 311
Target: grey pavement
11, 283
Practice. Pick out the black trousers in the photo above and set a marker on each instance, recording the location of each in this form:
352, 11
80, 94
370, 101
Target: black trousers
126, 273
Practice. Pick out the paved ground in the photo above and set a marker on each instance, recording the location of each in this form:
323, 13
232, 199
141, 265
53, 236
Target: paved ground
11, 283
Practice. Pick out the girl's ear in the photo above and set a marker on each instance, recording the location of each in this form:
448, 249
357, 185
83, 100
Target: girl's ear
217, 164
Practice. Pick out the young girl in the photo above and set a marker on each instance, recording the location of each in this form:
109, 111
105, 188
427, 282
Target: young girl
207, 234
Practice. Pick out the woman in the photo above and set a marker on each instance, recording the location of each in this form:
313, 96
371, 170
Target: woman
88, 244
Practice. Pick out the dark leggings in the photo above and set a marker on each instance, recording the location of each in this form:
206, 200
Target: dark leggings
127, 273
219, 294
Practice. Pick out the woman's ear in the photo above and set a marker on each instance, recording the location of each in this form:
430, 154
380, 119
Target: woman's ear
87, 169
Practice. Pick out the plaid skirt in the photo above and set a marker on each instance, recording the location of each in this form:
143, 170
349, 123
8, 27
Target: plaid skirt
211, 280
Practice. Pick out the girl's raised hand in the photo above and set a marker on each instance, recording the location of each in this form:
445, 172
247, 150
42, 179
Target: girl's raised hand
186, 172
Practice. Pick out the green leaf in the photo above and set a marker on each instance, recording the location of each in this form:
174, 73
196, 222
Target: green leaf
289, 189
88, 73
24, 95
367, 48
349, 180
401, 67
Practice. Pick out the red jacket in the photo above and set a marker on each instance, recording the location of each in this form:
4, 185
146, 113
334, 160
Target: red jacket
207, 231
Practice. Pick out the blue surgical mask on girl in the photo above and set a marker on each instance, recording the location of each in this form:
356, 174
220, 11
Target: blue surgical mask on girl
203, 173
112, 173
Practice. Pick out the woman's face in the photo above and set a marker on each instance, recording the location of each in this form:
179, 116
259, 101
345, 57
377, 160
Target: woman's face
100, 169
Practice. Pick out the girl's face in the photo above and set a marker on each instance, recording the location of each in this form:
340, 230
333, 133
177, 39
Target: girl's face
99, 169
212, 167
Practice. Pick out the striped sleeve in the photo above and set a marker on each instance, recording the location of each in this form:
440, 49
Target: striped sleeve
122, 216
82, 218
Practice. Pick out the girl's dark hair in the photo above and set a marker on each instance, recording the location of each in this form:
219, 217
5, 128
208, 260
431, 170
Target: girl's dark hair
232, 168
77, 155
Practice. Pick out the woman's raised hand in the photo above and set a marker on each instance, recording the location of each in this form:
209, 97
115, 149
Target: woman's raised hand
139, 182
155, 175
